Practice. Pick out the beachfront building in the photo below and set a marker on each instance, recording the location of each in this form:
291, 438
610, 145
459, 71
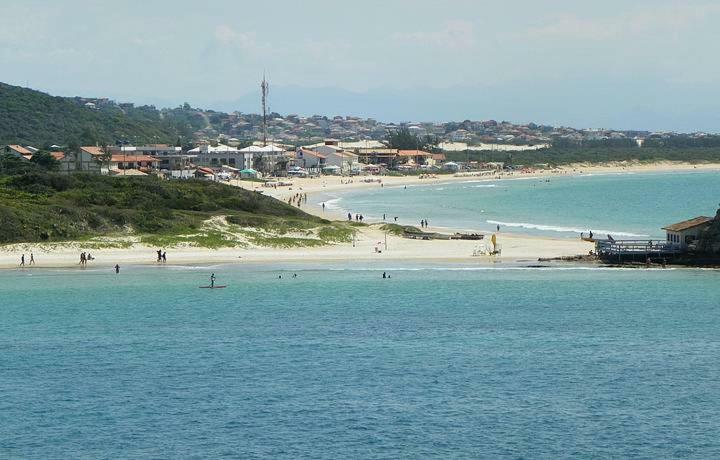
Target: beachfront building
268, 158
170, 157
413, 157
377, 156
309, 160
121, 163
336, 157
220, 155
687, 232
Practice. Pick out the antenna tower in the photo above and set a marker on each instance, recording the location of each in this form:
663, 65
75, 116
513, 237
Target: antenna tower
265, 87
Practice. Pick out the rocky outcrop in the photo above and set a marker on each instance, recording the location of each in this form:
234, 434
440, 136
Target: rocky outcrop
710, 239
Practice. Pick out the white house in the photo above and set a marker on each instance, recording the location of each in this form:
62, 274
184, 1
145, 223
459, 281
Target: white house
336, 156
309, 159
208, 155
687, 232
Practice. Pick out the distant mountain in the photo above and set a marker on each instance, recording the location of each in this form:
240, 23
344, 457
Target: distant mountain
544, 101
32, 117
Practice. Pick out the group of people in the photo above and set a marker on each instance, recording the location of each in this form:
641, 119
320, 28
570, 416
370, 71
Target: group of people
358, 217
423, 223
298, 199
31, 262
85, 257
161, 256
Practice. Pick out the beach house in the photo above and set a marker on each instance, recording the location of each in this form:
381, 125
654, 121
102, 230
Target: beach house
683, 234
309, 160
336, 156
219, 155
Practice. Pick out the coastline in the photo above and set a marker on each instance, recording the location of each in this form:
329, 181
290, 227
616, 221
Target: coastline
516, 247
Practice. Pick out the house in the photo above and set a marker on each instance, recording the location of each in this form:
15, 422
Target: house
170, 157
18, 151
88, 159
269, 158
122, 162
687, 232
437, 159
309, 159
336, 156
414, 157
208, 155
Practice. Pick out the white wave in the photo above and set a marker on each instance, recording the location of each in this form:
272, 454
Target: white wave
485, 186
333, 204
553, 228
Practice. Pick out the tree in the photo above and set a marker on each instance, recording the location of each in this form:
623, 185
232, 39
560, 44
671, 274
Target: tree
46, 161
403, 139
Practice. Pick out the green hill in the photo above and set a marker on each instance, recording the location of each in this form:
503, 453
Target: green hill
42, 207
32, 117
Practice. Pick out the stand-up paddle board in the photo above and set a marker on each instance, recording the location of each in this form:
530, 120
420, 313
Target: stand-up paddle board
212, 287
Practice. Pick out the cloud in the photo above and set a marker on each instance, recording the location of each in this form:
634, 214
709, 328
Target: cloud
456, 34
633, 23
245, 41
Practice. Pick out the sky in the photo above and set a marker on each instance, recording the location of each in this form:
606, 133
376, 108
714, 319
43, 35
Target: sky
631, 64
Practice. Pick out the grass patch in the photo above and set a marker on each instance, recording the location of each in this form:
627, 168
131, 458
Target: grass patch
399, 230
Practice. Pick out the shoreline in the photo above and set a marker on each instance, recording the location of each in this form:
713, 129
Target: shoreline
369, 243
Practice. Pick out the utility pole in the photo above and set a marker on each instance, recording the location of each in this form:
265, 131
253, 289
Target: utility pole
265, 88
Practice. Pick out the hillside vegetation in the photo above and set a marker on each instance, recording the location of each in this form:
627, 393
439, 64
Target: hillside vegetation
32, 117
40, 206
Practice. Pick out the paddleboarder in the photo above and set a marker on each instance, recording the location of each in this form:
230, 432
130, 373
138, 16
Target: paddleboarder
212, 280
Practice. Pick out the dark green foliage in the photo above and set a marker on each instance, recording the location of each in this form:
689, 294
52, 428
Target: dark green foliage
564, 155
42, 206
36, 118
403, 139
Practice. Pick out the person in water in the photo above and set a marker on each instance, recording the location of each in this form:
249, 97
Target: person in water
384, 275
212, 280
117, 268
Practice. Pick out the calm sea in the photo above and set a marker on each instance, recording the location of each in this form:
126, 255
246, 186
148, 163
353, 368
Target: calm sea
626, 205
338, 363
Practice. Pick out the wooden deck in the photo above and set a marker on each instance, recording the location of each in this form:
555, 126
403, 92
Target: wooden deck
621, 251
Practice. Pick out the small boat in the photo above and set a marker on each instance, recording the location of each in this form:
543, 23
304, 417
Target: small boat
212, 287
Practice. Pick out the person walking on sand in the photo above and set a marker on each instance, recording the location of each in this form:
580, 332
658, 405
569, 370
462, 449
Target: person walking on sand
164, 256
32, 259
22, 260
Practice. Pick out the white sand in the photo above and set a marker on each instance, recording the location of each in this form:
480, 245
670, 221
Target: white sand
515, 247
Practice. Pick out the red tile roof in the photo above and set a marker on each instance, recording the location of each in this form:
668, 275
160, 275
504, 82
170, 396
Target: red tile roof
120, 158
92, 150
20, 149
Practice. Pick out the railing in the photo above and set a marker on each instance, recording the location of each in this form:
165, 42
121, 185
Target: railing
636, 247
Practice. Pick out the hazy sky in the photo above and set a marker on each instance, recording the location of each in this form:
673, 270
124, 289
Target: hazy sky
646, 64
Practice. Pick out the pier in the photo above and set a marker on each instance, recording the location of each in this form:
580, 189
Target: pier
627, 251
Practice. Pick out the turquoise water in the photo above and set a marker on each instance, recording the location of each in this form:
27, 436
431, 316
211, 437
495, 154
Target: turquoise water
338, 363
625, 205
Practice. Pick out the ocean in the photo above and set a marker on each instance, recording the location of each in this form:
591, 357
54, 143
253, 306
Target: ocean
434, 362
625, 204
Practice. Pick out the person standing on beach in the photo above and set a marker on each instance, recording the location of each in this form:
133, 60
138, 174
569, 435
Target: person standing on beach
164, 256
498, 227
32, 259
22, 260
323, 206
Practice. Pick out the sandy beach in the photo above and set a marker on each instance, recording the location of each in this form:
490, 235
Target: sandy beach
370, 242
